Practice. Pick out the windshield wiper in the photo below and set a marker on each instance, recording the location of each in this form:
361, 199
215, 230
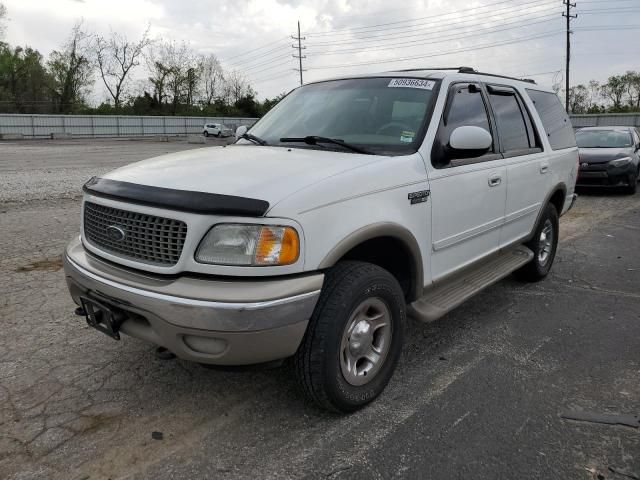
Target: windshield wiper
254, 139
314, 140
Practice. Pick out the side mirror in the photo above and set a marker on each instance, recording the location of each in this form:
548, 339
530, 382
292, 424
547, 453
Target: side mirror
241, 130
469, 142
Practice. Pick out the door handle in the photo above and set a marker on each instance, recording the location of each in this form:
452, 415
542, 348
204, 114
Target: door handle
495, 180
544, 168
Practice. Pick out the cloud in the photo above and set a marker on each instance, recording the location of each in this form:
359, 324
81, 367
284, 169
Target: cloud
253, 36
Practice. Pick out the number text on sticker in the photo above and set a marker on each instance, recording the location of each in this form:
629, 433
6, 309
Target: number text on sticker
412, 83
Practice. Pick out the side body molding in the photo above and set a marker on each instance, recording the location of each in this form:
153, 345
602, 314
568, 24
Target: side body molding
379, 230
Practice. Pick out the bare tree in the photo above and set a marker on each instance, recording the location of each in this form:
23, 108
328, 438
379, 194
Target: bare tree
174, 73
116, 57
594, 93
632, 81
212, 78
614, 90
236, 85
578, 99
72, 69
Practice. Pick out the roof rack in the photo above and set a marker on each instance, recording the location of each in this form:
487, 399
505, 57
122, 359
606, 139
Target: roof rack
470, 70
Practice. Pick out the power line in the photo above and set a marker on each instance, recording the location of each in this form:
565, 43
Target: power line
415, 43
259, 56
450, 26
256, 49
462, 12
460, 50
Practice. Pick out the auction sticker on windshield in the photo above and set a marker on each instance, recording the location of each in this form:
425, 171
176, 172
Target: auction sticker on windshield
412, 83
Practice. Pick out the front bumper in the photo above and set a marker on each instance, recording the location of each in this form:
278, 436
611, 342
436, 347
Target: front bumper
223, 322
606, 176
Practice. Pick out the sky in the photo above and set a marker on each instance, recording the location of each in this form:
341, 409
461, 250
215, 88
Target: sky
342, 37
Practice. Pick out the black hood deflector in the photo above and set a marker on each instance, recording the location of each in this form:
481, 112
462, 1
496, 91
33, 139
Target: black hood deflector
182, 200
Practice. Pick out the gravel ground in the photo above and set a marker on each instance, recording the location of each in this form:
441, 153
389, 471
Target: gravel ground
477, 394
46, 170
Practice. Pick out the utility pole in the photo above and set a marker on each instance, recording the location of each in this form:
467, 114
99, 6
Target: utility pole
569, 17
300, 48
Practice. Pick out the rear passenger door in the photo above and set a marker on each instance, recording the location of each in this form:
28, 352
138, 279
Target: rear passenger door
468, 194
527, 168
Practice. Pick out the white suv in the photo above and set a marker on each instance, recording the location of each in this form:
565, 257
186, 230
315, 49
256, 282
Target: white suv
216, 129
351, 204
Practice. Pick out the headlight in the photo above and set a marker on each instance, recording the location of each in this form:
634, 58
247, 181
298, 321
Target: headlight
620, 162
249, 245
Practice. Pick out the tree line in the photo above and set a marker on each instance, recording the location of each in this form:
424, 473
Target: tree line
179, 80
619, 94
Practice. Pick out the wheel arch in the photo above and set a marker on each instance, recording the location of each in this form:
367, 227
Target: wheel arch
388, 245
557, 197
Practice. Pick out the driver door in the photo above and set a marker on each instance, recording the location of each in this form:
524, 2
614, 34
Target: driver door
468, 194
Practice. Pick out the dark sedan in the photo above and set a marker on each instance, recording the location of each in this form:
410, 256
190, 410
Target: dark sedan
609, 157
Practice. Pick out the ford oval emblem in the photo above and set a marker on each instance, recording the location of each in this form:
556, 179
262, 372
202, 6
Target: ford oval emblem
116, 233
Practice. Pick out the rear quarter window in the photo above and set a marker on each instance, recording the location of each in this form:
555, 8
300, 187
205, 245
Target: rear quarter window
554, 118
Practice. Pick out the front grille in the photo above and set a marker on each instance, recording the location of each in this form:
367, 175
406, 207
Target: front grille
594, 167
147, 238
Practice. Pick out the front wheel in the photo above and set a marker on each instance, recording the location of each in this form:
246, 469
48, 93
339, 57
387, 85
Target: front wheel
354, 338
544, 245
206, 134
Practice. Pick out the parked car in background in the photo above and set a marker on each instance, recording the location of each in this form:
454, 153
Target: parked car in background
217, 129
354, 202
609, 157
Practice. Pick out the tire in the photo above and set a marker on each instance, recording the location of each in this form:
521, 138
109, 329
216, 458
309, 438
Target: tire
339, 332
206, 134
633, 185
218, 134
544, 252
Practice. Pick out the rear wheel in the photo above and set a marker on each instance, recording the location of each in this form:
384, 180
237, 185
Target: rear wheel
543, 245
354, 338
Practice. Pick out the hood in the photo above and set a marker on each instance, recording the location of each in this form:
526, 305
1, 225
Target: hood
603, 155
265, 173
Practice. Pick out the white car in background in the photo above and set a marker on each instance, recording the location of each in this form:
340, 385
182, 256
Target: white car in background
217, 129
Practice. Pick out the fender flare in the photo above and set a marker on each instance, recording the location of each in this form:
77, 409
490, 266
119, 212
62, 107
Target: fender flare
379, 230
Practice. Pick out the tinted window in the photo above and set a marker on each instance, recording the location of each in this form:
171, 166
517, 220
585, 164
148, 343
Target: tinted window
554, 118
467, 108
512, 128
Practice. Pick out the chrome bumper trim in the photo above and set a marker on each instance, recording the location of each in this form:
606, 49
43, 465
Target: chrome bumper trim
194, 302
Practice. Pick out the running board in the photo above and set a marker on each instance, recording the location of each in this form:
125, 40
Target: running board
444, 297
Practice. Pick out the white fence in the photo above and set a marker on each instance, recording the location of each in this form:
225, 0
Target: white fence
40, 126
606, 120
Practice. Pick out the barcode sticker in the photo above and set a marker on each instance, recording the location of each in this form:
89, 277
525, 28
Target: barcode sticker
412, 83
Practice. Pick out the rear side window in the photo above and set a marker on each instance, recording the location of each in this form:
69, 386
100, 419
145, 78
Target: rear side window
512, 127
554, 119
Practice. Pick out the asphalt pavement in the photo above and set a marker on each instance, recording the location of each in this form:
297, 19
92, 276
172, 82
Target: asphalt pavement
480, 393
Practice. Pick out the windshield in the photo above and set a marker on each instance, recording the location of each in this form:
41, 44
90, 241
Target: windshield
603, 139
382, 115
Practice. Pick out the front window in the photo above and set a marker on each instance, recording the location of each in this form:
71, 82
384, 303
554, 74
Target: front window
385, 115
603, 139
